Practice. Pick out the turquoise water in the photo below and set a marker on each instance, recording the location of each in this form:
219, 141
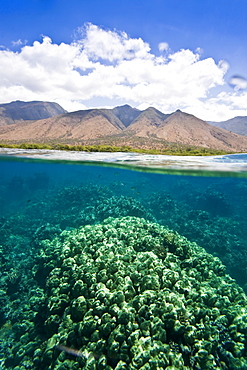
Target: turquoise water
110, 268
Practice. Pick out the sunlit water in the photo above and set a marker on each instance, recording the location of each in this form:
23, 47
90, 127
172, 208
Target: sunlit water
49, 289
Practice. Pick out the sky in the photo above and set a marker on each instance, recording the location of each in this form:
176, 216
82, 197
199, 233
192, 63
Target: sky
169, 54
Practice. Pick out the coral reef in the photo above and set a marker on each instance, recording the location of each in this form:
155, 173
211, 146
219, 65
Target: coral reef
115, 206
223, 236
181, 205
130, 294
123, 293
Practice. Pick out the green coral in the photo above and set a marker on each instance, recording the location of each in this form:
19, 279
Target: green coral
115, 206
209, 217
131, 294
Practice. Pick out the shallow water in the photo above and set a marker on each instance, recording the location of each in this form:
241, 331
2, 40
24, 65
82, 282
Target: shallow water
40, 199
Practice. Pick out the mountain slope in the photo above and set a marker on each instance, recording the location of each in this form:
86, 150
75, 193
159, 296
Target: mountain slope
126, 114
80, 125
146, 124
180, 127
116, 125
236, 124
185, 128
13, 112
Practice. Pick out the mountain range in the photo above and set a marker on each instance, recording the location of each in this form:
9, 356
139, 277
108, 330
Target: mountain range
236, 124
18, 111
44, 122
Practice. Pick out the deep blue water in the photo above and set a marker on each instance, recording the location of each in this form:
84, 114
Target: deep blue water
39, 200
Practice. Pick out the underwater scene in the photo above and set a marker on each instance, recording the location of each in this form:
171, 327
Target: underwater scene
103, 267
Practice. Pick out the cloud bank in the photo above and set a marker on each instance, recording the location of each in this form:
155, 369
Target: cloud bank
109, 66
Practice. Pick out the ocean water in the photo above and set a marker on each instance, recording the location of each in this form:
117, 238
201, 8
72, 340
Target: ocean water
114, 265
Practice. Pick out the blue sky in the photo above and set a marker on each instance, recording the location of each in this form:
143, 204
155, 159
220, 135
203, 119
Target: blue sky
192, 44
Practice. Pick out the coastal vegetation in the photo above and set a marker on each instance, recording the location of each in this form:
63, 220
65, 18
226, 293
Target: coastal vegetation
167, 150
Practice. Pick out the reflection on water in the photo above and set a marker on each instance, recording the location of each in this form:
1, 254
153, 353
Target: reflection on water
238, 82
122, 266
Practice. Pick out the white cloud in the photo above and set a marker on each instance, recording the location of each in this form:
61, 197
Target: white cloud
163, 46
106, 64
19, 42
111, 45
220, 108
199, 50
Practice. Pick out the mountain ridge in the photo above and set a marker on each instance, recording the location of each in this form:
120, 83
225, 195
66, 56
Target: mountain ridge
18, 110
126, 114
236, 124
123, 124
